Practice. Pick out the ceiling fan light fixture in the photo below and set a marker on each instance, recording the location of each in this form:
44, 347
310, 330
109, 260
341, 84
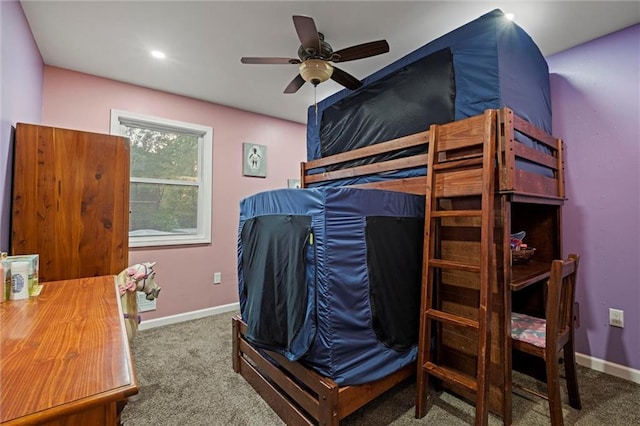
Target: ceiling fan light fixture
316, 71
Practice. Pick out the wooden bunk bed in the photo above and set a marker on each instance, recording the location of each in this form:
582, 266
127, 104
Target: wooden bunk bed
298, 394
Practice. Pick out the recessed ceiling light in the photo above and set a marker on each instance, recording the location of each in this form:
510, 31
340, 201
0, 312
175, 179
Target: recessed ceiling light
158, 54
509, 16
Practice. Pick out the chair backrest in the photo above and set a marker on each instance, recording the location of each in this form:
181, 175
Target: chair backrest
561, 293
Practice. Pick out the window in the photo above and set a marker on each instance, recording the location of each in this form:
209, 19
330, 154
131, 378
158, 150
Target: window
170, 192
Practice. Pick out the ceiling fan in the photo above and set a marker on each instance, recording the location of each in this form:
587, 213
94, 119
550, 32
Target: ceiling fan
316, 57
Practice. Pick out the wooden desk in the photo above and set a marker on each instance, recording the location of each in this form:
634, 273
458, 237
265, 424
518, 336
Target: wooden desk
64, 356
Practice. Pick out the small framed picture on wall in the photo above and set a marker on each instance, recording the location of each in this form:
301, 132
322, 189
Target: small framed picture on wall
293, 183
254, 160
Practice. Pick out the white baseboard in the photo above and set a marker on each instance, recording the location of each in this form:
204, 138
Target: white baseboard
187, 316
608, 367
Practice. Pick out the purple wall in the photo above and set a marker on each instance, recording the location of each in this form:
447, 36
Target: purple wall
595, 91
21, 74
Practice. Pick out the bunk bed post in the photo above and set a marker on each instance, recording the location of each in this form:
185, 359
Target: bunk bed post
303, 183
560, 171
426, 295
506, 170
328, 401
235, 334
505, 149
503, 270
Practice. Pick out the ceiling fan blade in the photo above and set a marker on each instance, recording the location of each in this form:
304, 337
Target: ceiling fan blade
284, 61
361, 51
307, 32
295, 84
346, 79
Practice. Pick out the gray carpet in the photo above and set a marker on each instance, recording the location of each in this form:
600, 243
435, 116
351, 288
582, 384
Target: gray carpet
185, 378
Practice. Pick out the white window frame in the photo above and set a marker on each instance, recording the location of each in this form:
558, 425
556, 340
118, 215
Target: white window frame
203, 181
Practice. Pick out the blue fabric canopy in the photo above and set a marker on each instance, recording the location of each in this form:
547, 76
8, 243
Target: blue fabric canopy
495, 64
331, 277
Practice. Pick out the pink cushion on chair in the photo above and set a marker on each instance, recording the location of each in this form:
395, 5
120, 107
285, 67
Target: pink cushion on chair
528, 329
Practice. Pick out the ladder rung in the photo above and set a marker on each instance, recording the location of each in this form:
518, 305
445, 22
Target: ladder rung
452, 319
449, 375
448, 264
457, 213
457, 164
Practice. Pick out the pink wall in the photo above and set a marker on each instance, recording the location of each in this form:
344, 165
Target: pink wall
80, 101
21, 95
595, 90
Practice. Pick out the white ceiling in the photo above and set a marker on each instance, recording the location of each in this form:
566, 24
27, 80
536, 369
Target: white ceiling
204, 40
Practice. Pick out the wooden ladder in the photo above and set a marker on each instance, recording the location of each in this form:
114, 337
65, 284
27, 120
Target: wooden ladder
458, 258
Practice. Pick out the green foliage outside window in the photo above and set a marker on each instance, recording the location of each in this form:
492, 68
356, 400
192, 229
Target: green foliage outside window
164, 175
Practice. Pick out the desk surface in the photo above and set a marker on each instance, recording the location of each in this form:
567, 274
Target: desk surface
63, 351
530, 273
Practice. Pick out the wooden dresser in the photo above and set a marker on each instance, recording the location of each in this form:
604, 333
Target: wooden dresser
64, 356
70, 201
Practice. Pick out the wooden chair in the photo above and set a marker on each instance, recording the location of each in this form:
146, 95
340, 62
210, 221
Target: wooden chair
546, 338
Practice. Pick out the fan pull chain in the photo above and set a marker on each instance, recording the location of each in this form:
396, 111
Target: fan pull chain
315, 102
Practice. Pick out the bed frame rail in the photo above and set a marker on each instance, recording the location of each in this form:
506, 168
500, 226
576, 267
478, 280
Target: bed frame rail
414, 185
524, 185
297, 394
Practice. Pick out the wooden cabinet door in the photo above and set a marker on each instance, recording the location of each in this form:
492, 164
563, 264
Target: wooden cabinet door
71, 201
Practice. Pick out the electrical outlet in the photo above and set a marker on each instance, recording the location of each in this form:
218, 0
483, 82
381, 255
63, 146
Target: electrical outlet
217, 277
616, 317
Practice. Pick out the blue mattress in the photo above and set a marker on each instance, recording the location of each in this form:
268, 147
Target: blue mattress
331, 277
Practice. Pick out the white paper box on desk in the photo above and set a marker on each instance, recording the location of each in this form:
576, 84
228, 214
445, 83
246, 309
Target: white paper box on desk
19, 281
34, 268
